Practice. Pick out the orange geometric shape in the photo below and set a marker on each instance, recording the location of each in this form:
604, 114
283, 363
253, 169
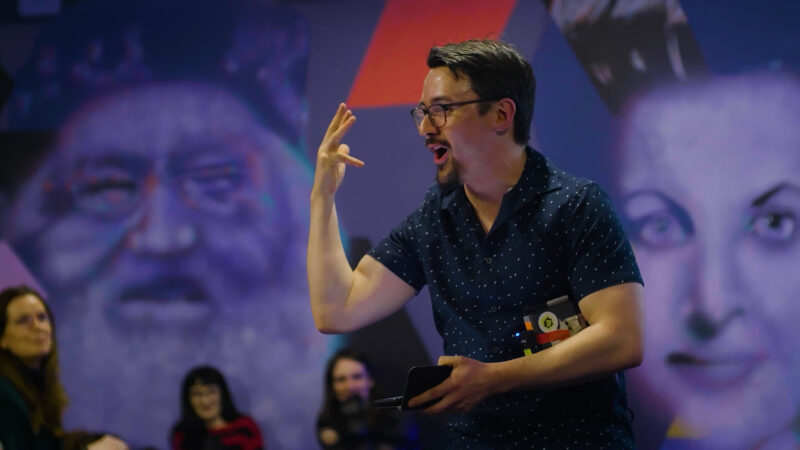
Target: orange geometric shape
393, 67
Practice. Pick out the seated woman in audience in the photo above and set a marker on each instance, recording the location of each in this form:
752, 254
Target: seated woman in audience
347, 419
32, 399
209, 419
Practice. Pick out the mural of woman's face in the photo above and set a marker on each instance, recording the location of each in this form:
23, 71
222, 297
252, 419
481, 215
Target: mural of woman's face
711, 182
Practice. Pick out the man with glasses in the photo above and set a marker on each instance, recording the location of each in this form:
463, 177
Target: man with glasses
501, 230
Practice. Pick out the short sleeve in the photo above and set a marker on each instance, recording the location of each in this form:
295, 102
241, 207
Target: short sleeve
601, 255
398, 252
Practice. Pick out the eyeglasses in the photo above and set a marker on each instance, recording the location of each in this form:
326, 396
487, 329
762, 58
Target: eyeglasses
437, 113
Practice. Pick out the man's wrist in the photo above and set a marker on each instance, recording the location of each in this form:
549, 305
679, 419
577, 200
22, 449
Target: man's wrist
504, 378
321, 198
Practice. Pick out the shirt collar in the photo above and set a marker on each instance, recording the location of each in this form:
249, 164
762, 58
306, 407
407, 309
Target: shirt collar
538, 177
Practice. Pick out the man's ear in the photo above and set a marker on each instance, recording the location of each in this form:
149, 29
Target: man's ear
505, 111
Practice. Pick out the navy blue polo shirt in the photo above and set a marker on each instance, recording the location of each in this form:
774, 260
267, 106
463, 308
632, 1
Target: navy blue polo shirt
555, 234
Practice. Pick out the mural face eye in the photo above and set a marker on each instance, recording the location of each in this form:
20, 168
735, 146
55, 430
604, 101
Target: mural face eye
106, 193
212, 183
656, 220
660, 229
774, 226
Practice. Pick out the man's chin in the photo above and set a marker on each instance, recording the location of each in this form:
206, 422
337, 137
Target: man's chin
447, 179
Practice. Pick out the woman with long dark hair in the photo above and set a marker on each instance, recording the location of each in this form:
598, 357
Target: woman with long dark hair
209, 419
32, 398
347, 419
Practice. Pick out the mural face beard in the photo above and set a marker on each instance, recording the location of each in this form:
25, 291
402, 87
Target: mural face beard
181, 246
131, 383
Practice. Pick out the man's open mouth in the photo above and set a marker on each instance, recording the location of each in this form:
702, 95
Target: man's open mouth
439, 153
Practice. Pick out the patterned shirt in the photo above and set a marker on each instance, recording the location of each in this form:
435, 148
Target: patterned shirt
555, 234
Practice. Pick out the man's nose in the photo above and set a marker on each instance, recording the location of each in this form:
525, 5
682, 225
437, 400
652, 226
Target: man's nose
163, 227
426, 127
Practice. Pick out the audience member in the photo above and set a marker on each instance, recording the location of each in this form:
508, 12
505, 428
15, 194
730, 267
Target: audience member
209, 419
32, 399
347, 420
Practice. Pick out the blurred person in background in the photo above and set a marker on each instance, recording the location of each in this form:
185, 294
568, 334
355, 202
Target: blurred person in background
32, 399
209, 418
710, 175
348, 420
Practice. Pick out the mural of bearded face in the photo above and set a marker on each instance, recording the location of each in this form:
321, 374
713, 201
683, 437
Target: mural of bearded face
168, 224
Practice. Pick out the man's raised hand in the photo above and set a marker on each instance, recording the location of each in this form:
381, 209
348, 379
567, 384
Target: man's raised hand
333, 155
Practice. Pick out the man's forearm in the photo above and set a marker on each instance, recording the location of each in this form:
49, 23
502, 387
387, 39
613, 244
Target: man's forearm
613, 342
593, 352
330, 277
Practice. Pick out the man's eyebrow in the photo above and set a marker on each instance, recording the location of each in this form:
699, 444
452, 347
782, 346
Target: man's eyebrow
437, 99
763, 198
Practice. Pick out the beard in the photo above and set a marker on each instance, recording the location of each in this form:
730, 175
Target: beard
130, 385
448, 175
125, 378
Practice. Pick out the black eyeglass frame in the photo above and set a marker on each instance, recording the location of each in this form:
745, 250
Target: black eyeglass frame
445, 107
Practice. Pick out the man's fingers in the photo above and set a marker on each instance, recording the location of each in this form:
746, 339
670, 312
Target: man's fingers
440, 390
337, 118
344, 127
443, 405
344, 156
339, 125
445, 360
347, 159
340, 156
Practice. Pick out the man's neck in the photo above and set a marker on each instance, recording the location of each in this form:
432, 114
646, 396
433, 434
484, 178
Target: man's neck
500, 172
496, 175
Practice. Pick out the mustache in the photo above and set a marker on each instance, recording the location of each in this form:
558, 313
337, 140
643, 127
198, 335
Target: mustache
431, 140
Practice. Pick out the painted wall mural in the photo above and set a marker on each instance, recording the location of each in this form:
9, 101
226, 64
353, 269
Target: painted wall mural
163, 201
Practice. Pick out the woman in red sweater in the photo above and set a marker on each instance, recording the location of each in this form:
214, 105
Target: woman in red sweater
209, 420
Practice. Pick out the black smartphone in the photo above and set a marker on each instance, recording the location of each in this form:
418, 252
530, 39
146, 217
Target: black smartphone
419, 380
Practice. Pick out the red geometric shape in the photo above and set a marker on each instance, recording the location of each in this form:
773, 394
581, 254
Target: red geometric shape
393, 67
557, 335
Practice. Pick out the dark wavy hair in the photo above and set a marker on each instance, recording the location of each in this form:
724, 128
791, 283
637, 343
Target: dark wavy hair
41, 389
495, 70
190, 424
331, 405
